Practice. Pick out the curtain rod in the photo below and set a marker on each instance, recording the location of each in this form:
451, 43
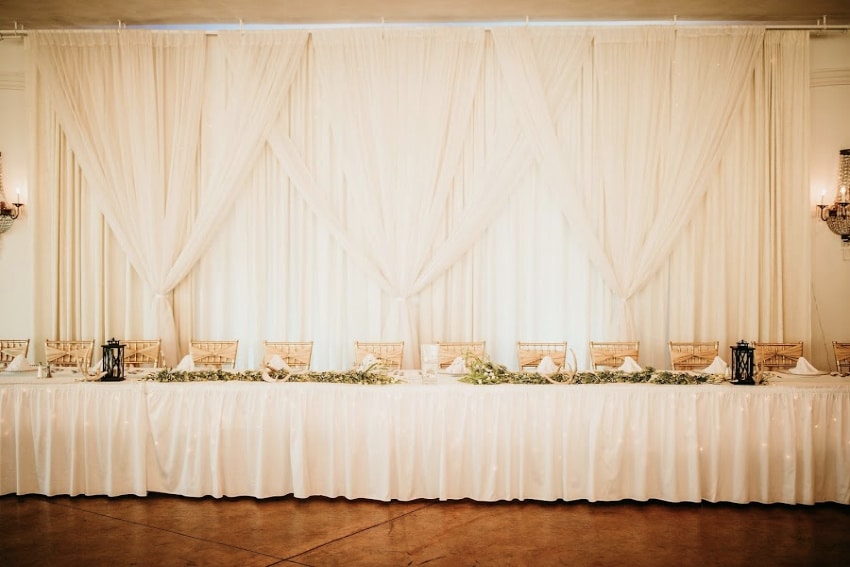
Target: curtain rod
20, 32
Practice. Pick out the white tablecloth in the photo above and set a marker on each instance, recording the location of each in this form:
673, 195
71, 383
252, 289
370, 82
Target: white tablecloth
781, 443
58, 436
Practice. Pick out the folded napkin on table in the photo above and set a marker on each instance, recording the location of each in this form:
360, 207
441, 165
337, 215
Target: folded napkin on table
368, 361
278, 363
186, 365
717, 366
547, 366
97, 366
629, 365
458, 366
804, 368
19, 364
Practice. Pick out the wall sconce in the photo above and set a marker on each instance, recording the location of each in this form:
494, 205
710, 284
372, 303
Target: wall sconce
7, 215
837, 215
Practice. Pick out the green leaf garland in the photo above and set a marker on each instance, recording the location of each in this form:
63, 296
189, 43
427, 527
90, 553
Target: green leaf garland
487, 372
368, 377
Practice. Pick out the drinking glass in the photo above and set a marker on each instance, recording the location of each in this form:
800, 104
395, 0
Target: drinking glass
430, 356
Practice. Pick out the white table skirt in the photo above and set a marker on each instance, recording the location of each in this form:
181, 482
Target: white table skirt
73, 438
784, 443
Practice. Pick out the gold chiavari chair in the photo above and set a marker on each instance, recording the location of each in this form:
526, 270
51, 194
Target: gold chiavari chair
777, 356
450, 351
693, 356
530, 355
10, 348
143, 353
842, 356
613, 354
389, 354
297, 355
69, 354
215, 354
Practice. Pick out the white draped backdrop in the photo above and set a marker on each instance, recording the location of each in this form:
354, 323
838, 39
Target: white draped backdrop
531, 183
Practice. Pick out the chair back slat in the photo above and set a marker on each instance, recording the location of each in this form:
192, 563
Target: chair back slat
215, 354
693, 356
389, 354
69, 354
297, 355
141, 353
777, 356
530, 354
10, 348
842, 356
450, 351
613, 354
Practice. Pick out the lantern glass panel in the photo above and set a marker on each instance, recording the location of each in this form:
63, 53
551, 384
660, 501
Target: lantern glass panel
113, 361
743, 357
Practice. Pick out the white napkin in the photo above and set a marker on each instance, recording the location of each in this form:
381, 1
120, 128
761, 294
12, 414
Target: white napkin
368, 361
458, 366
629, 365
97, 366
20, 364
186, 365
717, 366
278, 363
547, 366
804, 368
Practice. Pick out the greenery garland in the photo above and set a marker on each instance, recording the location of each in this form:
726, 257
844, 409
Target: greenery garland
481, 372
370, 376
487, 372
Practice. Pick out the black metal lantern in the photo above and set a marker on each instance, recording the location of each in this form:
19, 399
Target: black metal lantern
113, 361
743, 364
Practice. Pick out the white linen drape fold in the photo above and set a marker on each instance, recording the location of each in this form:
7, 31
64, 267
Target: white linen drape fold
489, 443
405, 145
399, 104
131, 105
624, 183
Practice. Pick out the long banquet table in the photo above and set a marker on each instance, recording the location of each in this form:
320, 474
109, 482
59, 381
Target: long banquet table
786, 442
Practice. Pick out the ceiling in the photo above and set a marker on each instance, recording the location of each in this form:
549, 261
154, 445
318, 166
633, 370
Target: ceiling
53, 14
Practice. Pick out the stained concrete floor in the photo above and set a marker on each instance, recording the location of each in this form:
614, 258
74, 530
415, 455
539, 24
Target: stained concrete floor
172, 530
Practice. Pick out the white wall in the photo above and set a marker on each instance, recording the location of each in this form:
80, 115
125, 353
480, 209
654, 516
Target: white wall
16, 245
830, 132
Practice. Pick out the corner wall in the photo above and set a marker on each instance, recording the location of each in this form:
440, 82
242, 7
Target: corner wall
830, 132
16, 245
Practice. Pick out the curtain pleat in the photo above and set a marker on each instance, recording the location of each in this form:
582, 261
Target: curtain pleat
423, 185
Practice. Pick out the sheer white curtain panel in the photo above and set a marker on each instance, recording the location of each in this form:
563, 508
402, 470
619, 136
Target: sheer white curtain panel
130, 104
399, 104
515, 205
611, 138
